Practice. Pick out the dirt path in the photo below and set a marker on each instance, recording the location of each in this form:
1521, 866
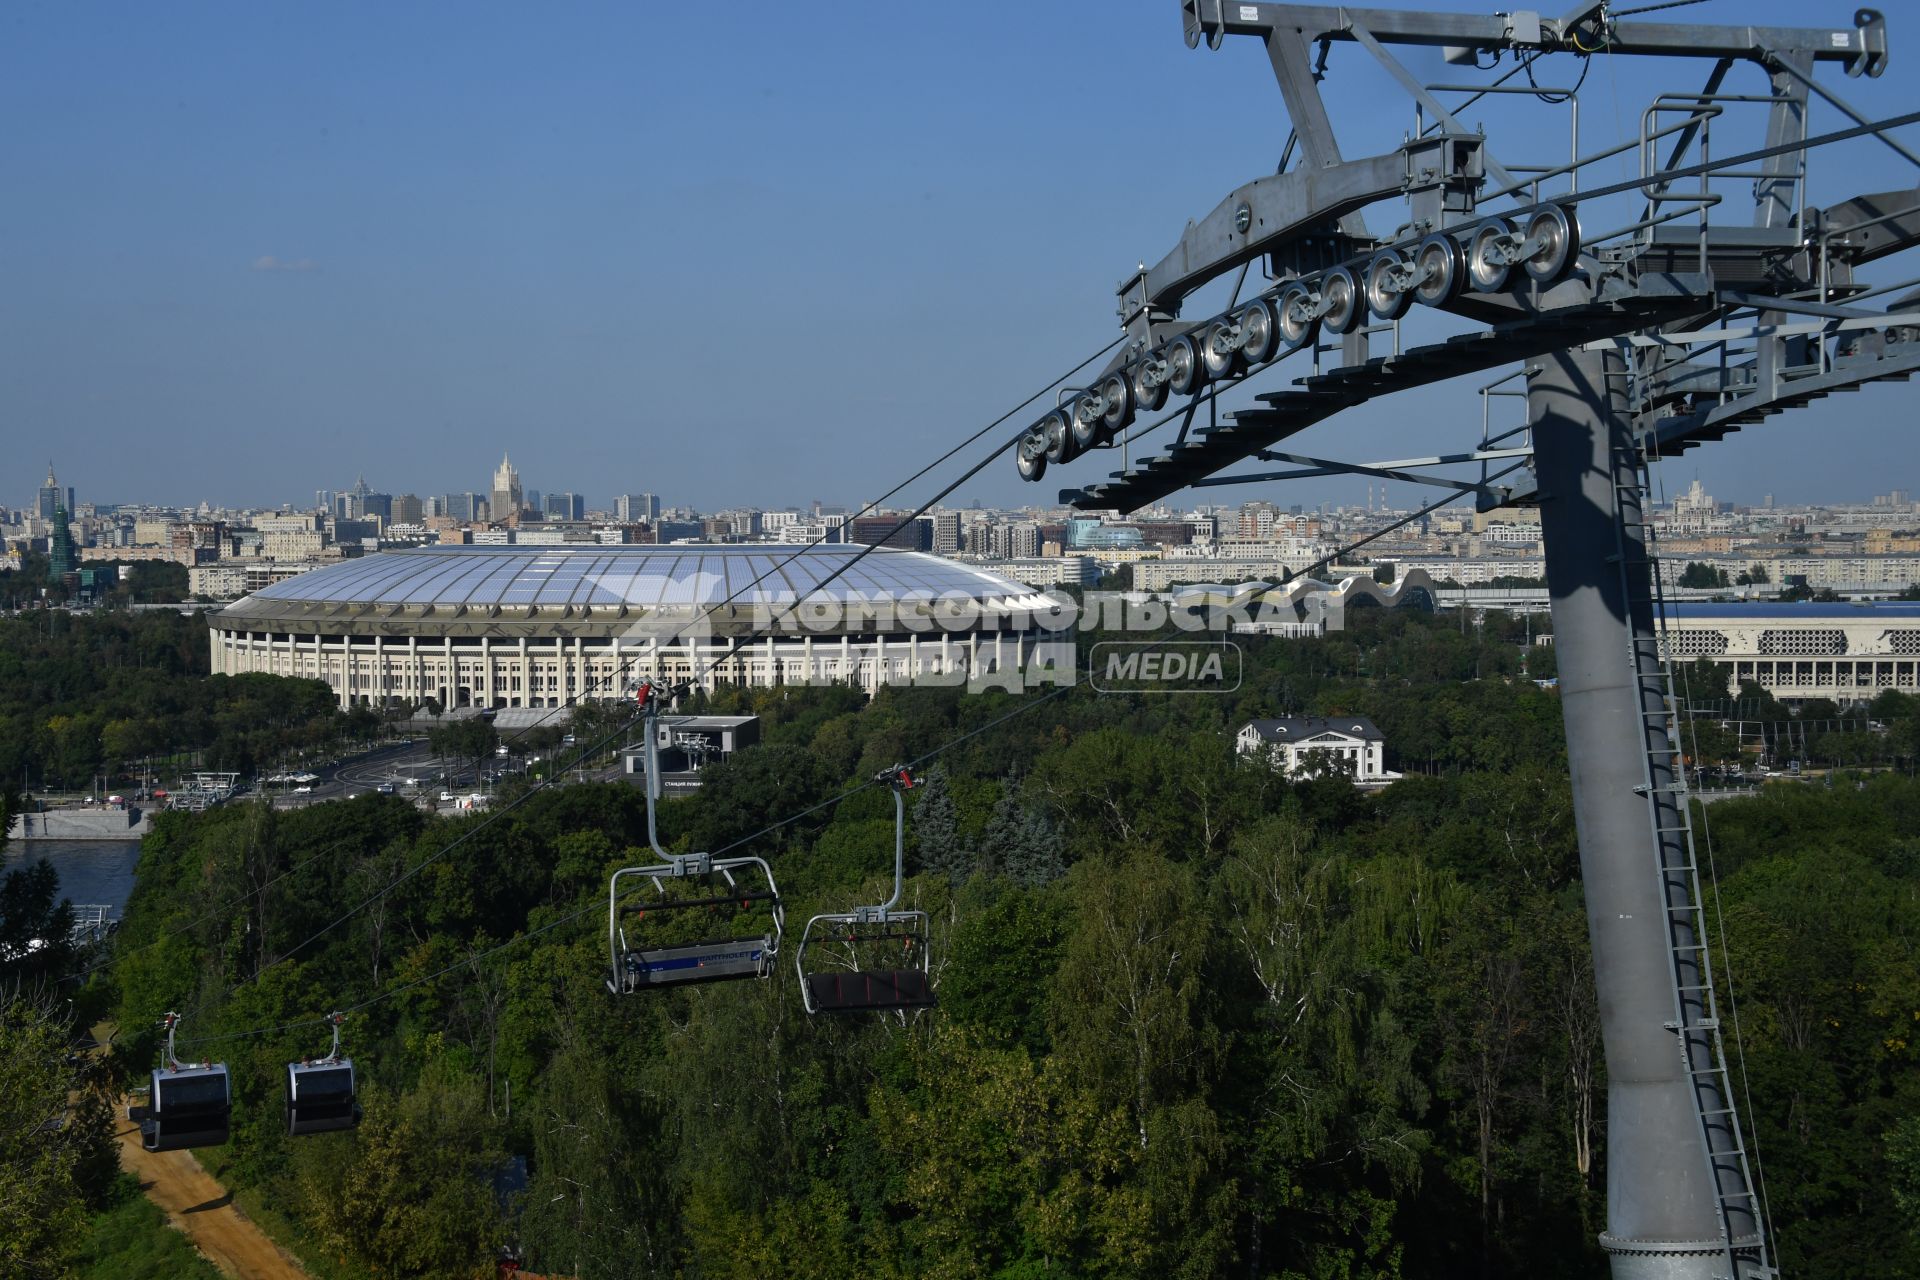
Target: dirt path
204, 1209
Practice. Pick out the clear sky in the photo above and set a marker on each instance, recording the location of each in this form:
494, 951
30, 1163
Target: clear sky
740, 252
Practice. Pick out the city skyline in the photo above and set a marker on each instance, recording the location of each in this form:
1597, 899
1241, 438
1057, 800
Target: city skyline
1380, 495
308, 262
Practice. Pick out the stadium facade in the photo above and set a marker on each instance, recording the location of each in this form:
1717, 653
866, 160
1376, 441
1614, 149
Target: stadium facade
1809, 649
543, 626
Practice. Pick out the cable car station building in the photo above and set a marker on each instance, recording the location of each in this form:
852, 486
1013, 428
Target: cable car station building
542, 626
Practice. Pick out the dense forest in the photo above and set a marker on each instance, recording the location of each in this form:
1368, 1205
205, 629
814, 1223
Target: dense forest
1195, 1019
92, 695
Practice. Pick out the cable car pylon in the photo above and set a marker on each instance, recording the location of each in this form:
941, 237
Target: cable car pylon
1675, 326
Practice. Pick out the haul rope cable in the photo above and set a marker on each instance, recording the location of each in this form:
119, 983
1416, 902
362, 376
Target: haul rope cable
594, 908
620, 729
624, 668
608, 681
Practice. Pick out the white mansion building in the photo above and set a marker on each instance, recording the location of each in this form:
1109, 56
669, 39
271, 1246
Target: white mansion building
1309, 746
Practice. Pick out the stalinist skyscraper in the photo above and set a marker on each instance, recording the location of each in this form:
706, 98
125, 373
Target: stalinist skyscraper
507, 498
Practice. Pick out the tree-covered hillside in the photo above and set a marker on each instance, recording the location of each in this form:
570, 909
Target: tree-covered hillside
1195, 1019
86, 696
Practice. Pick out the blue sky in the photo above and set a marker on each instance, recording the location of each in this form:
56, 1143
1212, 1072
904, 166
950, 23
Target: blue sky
745, 252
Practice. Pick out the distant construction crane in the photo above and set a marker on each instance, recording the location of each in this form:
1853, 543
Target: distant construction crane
1687, 320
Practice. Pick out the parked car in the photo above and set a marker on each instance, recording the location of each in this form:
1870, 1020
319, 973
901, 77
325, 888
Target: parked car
386, 788
303, 790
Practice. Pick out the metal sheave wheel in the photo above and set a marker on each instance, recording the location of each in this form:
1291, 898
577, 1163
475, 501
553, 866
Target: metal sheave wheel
1556, 233
1258, 331
1184, 370
1150, 389
1299, 315
1487, 264
1030, 456
1057, 428
1118, 394
1084, 414
1389, 284
1219, 348
1439, 270
1341, 289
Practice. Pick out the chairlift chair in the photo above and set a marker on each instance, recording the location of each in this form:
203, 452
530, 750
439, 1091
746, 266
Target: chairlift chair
321, 1097
189, 1105
866, 930
636, 965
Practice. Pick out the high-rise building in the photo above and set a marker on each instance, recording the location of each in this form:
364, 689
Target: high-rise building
61, 558
323, 500
464, 506
566, 506
914, 535
50, 499
636, 508
946, 533
507, 496
531, 500
1257, 519
407, 509
1017, 540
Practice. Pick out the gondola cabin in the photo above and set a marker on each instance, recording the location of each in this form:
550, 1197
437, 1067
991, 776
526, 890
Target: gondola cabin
320, 1097
189, 1106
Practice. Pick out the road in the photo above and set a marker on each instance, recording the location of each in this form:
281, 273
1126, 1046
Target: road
204, 1209
401, 763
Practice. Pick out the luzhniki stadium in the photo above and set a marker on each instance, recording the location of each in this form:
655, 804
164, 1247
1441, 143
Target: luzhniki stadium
542, 626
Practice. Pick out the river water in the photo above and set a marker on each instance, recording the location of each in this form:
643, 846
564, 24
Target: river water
91, 871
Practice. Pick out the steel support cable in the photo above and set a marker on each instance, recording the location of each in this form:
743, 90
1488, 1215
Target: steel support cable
619, 730
625, 667
168, 935
1653, 8
1031, 703
592, 749
1719, 914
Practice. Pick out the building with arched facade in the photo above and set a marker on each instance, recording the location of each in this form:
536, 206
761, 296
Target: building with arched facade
543, 626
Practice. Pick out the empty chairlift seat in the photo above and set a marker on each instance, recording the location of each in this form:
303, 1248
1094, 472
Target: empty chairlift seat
868, 991
878, 960
646, 946
736, 893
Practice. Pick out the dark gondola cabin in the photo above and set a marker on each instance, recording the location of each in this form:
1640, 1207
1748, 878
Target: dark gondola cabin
320, 1097
189, 1106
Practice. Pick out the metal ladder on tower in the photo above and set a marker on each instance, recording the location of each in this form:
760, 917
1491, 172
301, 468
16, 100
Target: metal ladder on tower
1696, 1021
